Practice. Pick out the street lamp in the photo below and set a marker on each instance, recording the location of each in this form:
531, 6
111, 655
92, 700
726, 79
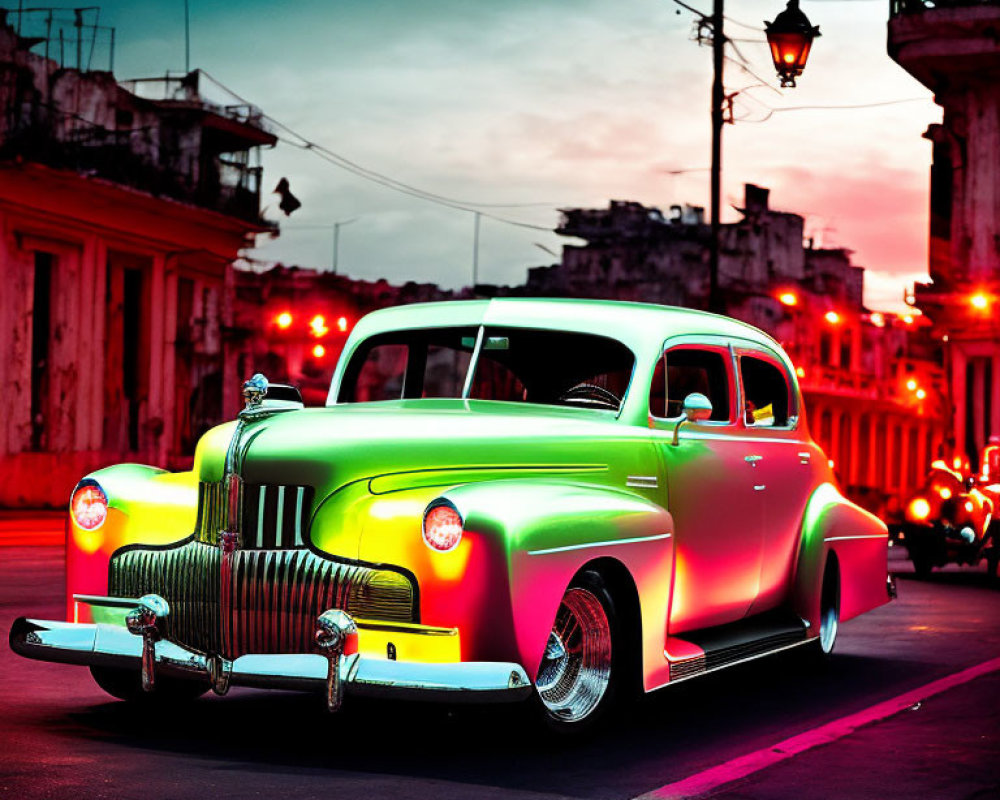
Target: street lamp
790, 37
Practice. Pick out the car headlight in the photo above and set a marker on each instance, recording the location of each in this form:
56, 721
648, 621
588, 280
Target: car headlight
89, 505
443, 526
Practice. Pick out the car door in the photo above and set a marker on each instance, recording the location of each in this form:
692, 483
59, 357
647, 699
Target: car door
718, 516
782, 464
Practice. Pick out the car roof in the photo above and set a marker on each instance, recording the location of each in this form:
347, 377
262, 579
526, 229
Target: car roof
640, 326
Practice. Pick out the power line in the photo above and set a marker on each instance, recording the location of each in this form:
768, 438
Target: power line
849, 107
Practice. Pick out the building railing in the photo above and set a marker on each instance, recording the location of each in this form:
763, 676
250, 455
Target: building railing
899, 7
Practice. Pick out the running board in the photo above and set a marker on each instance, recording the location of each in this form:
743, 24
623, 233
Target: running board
713, 648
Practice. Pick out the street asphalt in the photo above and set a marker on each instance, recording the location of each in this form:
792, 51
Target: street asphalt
61, 737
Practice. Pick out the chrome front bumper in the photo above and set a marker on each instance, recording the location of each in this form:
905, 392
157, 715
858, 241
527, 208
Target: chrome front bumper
115, 646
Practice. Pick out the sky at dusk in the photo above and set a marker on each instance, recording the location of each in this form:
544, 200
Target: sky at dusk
550, 104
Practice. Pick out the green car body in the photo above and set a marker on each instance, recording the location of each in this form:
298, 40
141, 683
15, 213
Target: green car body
689, 543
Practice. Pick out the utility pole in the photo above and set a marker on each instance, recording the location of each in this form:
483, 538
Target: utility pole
187, 38
475, 250
336, 239
718, 99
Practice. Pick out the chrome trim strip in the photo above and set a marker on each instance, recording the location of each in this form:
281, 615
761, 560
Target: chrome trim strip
598, 544
642, 482
846, 538
261, 499
81, 644
279, 521
299, 494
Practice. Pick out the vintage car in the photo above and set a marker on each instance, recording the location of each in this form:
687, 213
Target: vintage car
951, 518
554, 501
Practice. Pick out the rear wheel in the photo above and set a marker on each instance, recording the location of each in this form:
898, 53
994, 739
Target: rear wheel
821, 649
578, 677
126, 684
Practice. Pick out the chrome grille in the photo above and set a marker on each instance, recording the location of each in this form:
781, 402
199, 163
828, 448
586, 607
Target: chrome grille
272, 516
256, 601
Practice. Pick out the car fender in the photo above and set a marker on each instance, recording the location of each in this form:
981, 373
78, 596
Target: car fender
146, 505
833, 525
549, 530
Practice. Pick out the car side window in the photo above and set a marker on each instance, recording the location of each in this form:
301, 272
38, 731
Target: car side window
766, 395
684, 370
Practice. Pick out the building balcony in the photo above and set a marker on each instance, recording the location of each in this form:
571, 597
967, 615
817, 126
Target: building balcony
941, 41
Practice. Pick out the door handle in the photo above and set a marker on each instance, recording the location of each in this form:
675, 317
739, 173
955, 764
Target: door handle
752, 459
759, 487
804, 458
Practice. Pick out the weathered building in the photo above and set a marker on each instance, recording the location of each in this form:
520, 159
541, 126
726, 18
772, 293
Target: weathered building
953, 48
873, 383
121, 207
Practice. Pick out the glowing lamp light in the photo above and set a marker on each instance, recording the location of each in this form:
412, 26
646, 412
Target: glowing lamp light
957, 462
788, 298
945, 494
800, 372
911, 385
908, 319
877, 319
832, 317
342, 324
284, 320
790, 37
830, 463
319, 351
89, 505
442, 529
919, 508
979, 301
968, 505
921, 394
317, 326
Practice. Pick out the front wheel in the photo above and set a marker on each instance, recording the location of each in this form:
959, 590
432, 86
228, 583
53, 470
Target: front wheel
578, 676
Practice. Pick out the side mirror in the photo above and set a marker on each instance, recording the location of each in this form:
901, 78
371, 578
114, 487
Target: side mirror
696, 408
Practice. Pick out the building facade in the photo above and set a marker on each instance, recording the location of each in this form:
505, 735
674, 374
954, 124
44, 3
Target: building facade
953, 49
121, 209
874, 383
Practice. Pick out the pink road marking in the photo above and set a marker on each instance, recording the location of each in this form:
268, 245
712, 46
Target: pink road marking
703, 782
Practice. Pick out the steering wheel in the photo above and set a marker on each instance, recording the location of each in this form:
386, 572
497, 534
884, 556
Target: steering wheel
591, 395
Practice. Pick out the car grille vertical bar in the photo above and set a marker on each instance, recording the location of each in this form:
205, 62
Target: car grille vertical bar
273, 516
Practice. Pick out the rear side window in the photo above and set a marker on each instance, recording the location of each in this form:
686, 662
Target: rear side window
766, 395
685, 370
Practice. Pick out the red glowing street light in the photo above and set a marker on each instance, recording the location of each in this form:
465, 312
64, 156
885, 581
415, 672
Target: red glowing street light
790, 37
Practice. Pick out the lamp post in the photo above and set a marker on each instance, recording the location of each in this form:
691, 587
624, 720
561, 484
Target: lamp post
790, 37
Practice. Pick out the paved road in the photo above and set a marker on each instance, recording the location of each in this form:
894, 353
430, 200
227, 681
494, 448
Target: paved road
60, 737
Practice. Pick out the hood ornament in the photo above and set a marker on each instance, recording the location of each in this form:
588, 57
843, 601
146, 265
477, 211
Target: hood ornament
254, 391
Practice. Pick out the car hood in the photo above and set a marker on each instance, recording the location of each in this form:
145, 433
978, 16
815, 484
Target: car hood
330, 447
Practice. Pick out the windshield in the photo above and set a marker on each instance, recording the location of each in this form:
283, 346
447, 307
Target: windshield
519, 365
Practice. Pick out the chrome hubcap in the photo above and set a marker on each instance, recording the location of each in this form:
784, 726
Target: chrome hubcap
576, 667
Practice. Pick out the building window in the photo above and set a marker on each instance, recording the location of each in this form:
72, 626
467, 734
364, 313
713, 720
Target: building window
41, 348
